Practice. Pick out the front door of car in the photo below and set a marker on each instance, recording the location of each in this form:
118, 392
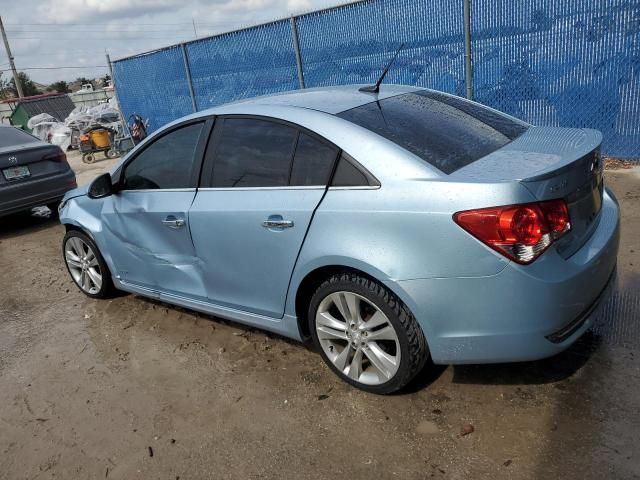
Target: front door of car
261, 183
146, 222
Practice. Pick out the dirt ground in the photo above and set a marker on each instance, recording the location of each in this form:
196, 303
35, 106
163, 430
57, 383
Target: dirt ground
134, 389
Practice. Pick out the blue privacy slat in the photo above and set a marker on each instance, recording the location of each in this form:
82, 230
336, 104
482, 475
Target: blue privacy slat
565, 63
352, 44
153, 85
243, 64
570, 63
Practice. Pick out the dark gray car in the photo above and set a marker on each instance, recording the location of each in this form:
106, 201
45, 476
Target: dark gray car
32, 172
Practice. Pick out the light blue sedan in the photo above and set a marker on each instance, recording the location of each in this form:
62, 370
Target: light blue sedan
389, 228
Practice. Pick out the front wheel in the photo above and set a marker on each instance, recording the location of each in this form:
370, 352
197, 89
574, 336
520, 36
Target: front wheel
366, 334
86, 266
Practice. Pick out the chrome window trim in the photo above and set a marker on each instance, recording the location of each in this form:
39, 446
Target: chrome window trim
192, 189
355, 187
230, 189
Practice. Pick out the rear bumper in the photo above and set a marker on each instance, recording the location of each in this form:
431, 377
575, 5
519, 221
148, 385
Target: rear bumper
25, 195
522, 313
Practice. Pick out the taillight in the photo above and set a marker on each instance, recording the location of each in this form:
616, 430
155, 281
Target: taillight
56, 157
520, 232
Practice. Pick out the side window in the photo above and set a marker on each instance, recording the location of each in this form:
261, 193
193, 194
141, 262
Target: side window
253, 153
312, 162
166, 163
348, 175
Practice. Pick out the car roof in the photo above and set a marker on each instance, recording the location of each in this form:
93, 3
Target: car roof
315, 109
330, 100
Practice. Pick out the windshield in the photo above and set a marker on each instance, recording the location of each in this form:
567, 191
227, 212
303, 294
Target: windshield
445, 131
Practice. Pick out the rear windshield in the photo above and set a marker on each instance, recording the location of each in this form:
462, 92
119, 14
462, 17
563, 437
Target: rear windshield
447, 132
14, 136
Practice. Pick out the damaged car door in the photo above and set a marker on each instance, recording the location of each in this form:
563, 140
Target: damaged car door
146, 222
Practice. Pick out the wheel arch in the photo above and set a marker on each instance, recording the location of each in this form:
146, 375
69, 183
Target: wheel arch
78, 227
314, 278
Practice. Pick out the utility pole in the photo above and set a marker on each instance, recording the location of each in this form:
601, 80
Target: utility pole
195, 32
16, 78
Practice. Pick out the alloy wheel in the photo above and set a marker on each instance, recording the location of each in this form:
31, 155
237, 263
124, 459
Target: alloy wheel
358, 338
83, 265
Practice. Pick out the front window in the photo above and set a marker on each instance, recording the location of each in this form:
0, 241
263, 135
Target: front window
167, 163
446, 132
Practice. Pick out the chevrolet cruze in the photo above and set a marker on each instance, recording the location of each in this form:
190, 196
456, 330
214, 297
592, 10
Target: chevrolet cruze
389, 227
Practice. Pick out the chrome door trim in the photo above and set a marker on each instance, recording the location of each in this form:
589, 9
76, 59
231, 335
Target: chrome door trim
143, 190
225, 189
363, 187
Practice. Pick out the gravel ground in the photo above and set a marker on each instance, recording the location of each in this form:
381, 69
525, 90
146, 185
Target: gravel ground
134, 389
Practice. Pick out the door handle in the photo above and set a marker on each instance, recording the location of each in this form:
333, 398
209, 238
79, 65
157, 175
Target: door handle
173, 222
277, 222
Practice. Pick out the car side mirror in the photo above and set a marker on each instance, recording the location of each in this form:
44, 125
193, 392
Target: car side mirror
101, 187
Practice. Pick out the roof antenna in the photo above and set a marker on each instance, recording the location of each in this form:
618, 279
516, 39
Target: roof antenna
376, 88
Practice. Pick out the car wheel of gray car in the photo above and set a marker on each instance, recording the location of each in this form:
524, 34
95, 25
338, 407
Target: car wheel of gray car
86, 266
54, 209
366, 334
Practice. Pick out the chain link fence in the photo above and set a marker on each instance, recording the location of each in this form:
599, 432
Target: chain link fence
571, 63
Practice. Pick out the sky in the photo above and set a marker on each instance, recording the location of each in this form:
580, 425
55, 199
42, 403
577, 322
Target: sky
46, 35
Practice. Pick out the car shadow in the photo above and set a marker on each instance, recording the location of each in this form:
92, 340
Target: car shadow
549, 370
22, 223
246, 329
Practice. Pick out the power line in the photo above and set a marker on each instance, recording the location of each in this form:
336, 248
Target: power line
83, 39
105, 26
94, 31
66, 66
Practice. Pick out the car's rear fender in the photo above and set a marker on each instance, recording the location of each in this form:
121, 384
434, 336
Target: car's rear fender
406, 230
401, 231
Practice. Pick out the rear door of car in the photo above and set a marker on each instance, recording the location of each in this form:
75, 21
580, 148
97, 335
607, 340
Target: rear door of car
261, 183
146, 223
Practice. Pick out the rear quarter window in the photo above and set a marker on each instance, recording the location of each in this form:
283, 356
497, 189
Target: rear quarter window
13, 136
446, 132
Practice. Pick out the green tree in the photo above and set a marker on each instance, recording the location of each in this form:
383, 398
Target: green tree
28, 87
83, 81
4, 87
60, 87
105, 79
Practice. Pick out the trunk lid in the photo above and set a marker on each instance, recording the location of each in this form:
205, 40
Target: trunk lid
30, 155
18, 155
551, 163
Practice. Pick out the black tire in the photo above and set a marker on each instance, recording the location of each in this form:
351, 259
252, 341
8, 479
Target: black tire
414, 352
107, 289
54, 208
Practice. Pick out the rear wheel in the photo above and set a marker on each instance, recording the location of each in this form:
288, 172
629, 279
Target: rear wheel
86, 266
366, 334
88, 158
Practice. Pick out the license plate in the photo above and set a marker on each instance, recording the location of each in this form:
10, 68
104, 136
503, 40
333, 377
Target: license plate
14, 173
